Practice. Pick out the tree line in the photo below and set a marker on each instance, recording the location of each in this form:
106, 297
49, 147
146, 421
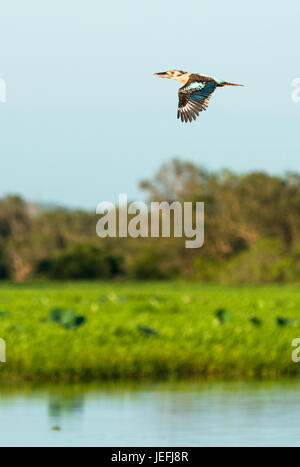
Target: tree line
252, 233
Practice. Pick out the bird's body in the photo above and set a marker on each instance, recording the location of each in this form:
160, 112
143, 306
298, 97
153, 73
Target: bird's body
194, 95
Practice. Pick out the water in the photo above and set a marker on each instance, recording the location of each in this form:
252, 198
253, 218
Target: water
261, 413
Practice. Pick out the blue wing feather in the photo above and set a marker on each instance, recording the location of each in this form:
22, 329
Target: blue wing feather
194, 98
203, 93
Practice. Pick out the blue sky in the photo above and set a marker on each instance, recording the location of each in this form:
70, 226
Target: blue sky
85, 118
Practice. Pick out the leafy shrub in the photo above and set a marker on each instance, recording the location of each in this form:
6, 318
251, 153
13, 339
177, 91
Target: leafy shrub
150, 266
4, 273
267, 261
82, 261
207, 270
4, 270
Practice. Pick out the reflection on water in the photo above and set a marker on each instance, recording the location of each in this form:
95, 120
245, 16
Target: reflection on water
206, 413
60, 404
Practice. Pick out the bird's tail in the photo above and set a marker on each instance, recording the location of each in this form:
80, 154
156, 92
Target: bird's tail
225, 83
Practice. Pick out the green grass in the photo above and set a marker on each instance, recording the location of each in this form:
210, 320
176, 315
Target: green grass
148, 330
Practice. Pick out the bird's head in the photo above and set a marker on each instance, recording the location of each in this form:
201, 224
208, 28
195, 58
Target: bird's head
179, 75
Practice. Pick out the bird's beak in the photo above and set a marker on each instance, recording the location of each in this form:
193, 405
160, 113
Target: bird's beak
162, 74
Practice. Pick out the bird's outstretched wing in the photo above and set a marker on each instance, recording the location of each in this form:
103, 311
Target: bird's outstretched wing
193, 98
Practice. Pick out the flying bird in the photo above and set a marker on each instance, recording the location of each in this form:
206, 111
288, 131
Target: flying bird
194, 95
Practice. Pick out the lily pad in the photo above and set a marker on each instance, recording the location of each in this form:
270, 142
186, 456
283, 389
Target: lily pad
4, 313
223, 315
149, 331
256, 321
67, 318
282, 321
56, 428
